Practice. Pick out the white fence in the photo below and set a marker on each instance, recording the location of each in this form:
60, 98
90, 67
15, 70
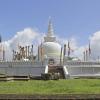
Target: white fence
21, 68
83, 69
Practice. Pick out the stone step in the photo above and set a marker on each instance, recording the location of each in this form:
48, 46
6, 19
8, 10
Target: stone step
56, 69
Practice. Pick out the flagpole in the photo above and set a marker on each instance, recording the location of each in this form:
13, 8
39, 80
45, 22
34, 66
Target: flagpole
3, 54
38, 53
89, 51
13, 54
68, 49
61, 57
26, 51
84, 55
64, 53
32, 50
41, 53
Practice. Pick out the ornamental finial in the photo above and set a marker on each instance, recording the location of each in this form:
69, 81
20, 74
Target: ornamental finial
50, 29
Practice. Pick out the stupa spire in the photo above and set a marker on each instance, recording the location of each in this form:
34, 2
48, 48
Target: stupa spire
50, 28
50, 35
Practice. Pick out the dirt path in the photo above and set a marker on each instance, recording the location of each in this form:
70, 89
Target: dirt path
52, 97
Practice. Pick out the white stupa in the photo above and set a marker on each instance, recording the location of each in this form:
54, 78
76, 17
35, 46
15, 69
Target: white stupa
51, 48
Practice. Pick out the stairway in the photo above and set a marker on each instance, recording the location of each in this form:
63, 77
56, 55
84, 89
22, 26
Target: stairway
56, 69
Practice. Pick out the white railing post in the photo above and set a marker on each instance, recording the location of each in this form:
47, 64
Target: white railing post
46, 69
65, 72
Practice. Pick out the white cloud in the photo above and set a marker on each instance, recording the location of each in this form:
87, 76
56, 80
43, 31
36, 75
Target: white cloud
76, 51
30, 36
25, 37
95, 44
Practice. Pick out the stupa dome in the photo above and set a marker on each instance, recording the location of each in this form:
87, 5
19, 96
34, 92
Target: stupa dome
52, 49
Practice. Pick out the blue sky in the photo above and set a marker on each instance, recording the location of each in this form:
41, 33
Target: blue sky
71, 18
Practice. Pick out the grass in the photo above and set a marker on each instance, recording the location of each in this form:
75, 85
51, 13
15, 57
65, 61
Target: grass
71, 86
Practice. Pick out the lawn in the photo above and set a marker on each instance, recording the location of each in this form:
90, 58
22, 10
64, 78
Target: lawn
70, 86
